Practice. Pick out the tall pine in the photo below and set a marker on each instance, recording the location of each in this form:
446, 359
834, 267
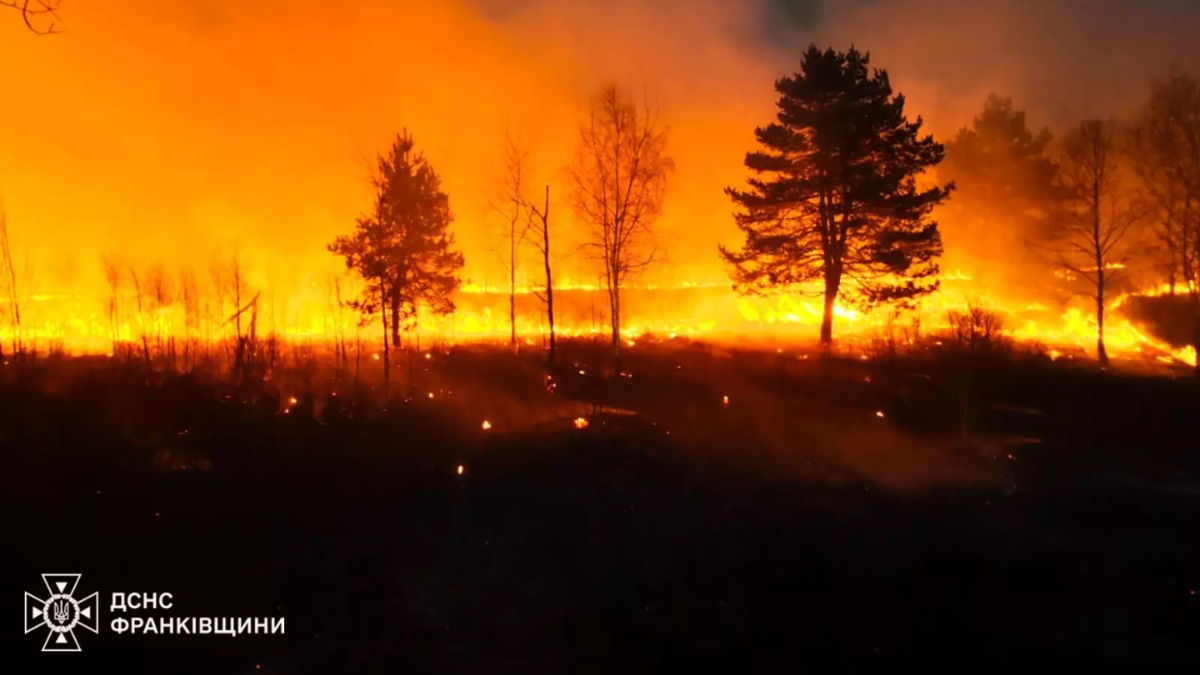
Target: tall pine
403, 248
833, 195
1007, 193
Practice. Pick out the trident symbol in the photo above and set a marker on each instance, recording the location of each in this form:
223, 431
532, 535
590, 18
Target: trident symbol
61, 613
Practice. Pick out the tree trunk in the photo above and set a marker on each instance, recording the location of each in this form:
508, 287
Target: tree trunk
827, 317
512, 287
387, 371
395, 305
1098, 241
614, 308
1101, 353
1196, 343
549, 281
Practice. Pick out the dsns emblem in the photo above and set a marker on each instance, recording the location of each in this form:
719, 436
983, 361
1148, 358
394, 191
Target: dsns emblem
61, 613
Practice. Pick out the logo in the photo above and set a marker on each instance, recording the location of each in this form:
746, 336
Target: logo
61, 613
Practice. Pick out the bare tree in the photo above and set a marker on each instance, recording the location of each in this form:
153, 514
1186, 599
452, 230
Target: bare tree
230, 279
338, 305
1091, 240
191, 311
512, 207
114, 274
139, 290
1164, 152
619, 177
40, 16
161, 291
1165, 155
539, 223
9, 274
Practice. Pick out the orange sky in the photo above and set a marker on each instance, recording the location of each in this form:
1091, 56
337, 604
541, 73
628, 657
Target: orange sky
168, 131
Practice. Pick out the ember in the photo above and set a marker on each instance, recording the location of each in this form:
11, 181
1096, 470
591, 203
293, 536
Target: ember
581, 423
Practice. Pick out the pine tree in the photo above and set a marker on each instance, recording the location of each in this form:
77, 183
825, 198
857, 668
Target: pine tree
1007, 195
834, 193
403, 249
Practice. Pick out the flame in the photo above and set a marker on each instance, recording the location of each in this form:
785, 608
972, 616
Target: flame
486, 425
581, 423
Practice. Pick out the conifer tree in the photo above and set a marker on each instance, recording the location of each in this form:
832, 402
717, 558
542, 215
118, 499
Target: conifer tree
833, 195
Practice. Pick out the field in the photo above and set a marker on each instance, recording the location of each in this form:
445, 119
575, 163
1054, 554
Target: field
743, 509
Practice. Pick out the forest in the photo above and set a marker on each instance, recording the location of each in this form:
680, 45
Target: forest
587, 369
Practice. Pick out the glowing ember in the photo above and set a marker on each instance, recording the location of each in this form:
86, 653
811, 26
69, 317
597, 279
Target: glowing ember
879, 413
428, 355
460, 469
725, 401
486, 425
431, 394
581, 423
292, 400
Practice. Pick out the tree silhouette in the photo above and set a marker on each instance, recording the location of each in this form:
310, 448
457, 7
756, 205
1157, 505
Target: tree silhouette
1164, 153
619, 179
834, 191
516, 226
403, 249
1091, 239
1005, 177
539, 224
40, 16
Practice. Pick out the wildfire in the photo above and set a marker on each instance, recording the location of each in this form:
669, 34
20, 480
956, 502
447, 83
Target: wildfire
83, 325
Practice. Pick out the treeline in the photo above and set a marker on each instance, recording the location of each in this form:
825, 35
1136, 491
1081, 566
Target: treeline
841, 193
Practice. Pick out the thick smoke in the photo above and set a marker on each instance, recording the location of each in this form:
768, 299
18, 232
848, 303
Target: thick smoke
170, 131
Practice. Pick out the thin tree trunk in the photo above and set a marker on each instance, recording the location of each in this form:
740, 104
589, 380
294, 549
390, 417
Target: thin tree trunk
1101, 354
549, 280
387, 370
614, 296
512, 286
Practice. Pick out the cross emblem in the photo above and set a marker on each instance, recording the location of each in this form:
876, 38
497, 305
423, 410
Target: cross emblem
61, 613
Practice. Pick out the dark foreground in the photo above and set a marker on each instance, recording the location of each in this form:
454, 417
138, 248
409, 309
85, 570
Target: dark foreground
618, 547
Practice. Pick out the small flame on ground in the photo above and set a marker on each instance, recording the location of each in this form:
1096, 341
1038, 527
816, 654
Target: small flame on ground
375, 356
486, 425
292, 400
581, 423
431, 394
428, 355
725, 401
460, 469
879, 413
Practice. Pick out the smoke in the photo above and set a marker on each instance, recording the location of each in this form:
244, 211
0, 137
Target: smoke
174, 131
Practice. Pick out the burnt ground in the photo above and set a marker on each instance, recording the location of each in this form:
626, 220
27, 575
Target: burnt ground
828, 516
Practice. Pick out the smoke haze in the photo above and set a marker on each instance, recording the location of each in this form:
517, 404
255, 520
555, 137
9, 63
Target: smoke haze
171, 131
